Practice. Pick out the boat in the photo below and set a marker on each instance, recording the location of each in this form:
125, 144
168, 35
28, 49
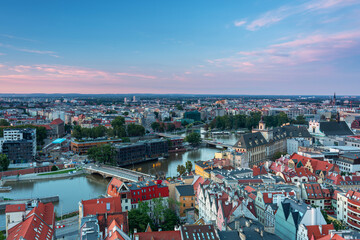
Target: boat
5, 189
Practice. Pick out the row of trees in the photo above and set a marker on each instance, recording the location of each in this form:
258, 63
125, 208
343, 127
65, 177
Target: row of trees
119, 129
161, 217
161, 127
103, 154
248, 121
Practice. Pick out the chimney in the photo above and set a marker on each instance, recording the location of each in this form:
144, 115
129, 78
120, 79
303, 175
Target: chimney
159, 229
136, 237
135, 230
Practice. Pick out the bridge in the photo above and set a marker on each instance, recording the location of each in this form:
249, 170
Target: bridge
123, 174
217, 144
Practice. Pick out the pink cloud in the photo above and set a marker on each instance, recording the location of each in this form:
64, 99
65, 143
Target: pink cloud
239, 23
313, 48
136, 75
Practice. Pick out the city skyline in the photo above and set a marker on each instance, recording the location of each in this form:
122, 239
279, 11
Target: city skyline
164, 47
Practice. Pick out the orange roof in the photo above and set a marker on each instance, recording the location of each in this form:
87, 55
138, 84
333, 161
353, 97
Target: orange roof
113, 186
33, 226
57, 121
15, 208
314, 231
101, 205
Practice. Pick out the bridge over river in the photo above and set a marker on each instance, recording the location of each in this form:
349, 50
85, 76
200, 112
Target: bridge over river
123, 174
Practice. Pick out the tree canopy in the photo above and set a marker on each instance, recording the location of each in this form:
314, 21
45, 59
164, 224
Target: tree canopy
104, 154
193, 138
4, 162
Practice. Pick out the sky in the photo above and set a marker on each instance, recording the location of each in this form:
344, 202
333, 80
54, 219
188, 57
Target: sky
282, 47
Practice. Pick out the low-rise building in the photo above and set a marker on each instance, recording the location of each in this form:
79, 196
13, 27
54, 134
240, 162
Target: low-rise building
185, 195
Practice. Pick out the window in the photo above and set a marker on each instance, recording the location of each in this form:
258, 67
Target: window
184, 198
184, 205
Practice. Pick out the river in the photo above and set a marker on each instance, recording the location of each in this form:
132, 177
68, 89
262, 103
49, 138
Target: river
72, 191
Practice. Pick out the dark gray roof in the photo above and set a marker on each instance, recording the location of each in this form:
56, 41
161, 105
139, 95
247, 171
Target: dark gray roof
335, 128
251, 140
185, 190
253, 231
229, 235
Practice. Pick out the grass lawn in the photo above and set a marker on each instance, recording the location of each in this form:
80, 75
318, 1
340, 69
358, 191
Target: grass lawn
57, 172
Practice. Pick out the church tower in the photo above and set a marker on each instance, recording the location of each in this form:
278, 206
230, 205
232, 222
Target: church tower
262, 124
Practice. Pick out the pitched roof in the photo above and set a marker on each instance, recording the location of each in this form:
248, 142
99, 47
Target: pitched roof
38, 224
101, 205
162, 235
15, 208
316, 232
251, 140
195, 232
335, 128
57, 121
185, 190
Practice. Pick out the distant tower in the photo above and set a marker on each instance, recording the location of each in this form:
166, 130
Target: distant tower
125, 100
334, 99
134, 98
262, 124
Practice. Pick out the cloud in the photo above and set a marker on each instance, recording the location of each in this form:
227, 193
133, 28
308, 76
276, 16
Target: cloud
136, 75
277, 15
239, 23
322, 48
63, 78
49, 53
18, 38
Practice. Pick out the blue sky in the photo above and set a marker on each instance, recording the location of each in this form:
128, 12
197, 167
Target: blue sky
215, 47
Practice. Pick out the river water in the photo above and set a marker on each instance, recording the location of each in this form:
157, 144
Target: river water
72, 191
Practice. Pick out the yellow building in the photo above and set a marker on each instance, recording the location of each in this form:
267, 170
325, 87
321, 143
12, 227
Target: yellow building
186, 197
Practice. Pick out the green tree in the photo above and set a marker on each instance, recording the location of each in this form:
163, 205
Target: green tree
193, 138
118, 122
139, 218
3, 122
282, 118
170, 127
278, 155
171, 220
4, 162
54, 168
158, 210
155, 126
68, 128
2, 237
181, 169
188, 166
104, 154
135, 130
126, 113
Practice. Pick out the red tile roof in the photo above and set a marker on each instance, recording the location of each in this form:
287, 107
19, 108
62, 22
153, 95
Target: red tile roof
15, 208
38, 224
57, 121
315, 233
99, 206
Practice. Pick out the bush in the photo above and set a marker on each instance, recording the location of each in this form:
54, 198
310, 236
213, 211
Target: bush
54, 168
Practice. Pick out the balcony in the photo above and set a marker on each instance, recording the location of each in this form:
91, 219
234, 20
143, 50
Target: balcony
353, 216
354, 209
353, 224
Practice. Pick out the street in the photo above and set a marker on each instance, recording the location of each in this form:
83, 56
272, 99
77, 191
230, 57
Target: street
71, 229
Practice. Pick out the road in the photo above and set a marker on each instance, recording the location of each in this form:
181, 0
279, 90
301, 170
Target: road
71, 229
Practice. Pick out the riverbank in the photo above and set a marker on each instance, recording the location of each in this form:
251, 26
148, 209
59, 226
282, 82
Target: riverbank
43, 176
4, 203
